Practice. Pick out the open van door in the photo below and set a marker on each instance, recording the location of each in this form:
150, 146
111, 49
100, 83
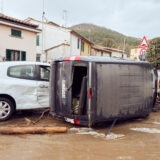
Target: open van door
68, 91
64, 80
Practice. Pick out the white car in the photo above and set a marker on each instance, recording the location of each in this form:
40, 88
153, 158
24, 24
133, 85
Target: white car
23, 85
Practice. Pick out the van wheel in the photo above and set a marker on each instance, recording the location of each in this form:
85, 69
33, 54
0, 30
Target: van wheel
6, 109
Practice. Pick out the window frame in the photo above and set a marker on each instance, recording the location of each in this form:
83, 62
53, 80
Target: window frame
88, 50
38, 73
8, 54
38, 58
8, 72
14, 35
38, 40
22, 55
78, 43
82, 46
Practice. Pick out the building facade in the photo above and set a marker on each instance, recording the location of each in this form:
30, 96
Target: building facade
107, 52
55, 41
18, 39
134, 53
100, 51
82, 44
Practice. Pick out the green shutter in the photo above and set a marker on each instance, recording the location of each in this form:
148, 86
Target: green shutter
23, 56
38, 58
82, 46
8, 55
37, 40
16, 33
88, 50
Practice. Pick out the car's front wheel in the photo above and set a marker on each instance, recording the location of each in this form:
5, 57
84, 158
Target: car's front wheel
6, 109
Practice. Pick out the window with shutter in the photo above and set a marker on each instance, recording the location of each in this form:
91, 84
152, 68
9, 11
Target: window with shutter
78, 41
8, 55
15, 33
82, 46
38, 58
37, 40
88, 50
23, 56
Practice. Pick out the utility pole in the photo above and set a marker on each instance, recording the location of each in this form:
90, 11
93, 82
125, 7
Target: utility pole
124, 46
89, 33
64, 18
43, 53
2, 6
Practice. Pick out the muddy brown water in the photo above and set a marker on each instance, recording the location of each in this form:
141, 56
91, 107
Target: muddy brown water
142, 143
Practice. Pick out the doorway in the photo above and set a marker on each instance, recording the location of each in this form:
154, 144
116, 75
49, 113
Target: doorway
79, 90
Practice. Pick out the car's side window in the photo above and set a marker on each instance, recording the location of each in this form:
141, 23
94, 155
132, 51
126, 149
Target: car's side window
44, 73
23, 72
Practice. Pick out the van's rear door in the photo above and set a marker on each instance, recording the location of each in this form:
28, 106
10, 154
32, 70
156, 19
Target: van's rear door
64, 78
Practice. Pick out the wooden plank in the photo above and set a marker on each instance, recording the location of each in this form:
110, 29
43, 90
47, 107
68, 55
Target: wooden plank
32, 130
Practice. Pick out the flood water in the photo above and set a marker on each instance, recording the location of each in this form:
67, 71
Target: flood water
130, 140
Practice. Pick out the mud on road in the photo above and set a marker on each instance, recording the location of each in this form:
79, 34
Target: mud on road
130, 140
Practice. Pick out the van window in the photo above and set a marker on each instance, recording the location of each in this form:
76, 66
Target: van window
23, 72
44, 73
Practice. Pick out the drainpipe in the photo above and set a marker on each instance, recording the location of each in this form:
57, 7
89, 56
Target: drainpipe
124, 46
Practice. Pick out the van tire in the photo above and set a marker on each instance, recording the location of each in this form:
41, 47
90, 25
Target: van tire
6, 113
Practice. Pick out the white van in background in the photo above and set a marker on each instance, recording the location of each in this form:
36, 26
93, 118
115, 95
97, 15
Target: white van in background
23, 85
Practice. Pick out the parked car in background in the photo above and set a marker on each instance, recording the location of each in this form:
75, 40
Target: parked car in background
23, 85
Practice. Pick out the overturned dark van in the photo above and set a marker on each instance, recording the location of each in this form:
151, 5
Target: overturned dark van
89, 90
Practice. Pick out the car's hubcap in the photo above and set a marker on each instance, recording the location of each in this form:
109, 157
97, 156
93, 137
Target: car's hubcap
5, 109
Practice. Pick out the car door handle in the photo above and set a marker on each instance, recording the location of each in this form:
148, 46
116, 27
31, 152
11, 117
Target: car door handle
43, 86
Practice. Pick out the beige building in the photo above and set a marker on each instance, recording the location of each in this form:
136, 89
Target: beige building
107, 52
100, 51
18, 39
117, 52
57, 41
134, 53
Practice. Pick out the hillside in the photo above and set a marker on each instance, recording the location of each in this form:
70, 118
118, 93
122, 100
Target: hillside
105, 37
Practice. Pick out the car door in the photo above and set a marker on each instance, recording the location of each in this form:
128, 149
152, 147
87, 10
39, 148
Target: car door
21, 85
43, 85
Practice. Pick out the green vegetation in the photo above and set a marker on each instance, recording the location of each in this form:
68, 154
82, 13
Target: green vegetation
153, 52
105, 37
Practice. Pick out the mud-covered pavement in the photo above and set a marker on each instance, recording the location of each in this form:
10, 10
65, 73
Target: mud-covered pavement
130, 140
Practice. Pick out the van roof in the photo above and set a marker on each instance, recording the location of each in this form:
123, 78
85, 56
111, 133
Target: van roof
99, 59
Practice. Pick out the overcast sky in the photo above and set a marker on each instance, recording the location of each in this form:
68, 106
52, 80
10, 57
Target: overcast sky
130, 17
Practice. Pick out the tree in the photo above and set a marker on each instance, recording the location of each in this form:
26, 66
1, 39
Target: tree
153, 51
107, 42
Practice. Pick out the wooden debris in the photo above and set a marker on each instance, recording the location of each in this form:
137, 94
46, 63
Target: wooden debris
28, 121
47, 110
32, 130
